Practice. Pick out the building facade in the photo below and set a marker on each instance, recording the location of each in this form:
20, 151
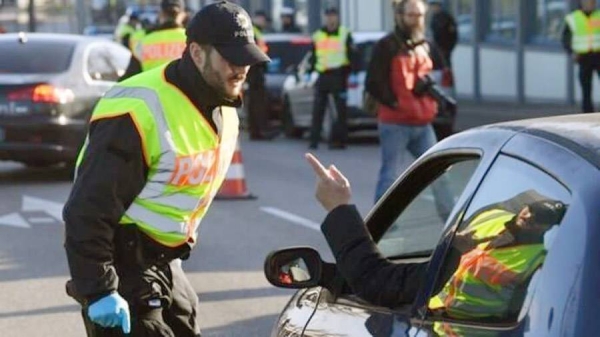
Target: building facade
509, 50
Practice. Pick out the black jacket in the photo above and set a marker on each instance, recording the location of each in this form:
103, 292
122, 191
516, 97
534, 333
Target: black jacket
369, 275
135, 66
378, 80
112, 174
444, 30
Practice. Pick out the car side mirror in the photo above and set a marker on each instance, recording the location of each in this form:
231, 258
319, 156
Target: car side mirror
297, 268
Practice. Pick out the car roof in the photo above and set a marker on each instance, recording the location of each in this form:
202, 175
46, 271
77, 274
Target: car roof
361, 37
74, 38
283, 37
578, 132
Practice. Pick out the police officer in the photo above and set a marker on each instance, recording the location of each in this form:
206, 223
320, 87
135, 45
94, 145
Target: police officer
258, 119
127, 30
332, 57
162, 44
581, 39
157, 151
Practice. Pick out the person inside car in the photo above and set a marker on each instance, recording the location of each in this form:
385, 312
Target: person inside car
496, 253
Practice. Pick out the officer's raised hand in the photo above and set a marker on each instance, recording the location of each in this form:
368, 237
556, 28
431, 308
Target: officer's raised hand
111, 311
333, 189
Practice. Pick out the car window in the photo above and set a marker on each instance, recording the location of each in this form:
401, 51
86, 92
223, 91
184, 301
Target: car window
286, 54
35, 57
417, 229
502, 241
107, 62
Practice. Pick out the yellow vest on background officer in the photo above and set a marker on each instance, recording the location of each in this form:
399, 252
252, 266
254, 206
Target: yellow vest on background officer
162, 44
585, 30
581, 39
160, 47
158, 148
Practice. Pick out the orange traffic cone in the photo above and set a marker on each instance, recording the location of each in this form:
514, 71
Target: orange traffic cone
234, 187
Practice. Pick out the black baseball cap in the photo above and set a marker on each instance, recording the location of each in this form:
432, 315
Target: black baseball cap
228, 28
331, 10
168, 4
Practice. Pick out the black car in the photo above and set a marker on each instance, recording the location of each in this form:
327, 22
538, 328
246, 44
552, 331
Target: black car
49, 84
494, 173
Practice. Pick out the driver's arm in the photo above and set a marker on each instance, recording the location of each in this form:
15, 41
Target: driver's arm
370, 275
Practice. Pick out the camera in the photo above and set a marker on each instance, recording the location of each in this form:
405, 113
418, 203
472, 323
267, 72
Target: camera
427, 86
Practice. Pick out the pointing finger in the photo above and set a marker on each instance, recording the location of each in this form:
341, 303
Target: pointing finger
317, 166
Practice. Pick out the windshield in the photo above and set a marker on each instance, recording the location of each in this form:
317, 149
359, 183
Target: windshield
286, 54
35, 57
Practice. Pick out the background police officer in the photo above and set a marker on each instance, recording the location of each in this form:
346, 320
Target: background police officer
332, 58
161, 44
258, 118
581, 39
158, 148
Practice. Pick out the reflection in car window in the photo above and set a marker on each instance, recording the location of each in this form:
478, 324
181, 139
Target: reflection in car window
418, 228
35, 57
501, 243
107, 62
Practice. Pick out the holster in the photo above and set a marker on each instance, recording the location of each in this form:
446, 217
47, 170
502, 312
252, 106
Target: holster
136, 251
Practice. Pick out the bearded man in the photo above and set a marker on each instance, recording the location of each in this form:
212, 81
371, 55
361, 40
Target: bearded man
399, 61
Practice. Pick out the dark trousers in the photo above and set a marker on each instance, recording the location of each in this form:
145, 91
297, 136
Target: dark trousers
257, 111
162, 303
588, 64
326, 100
258, 119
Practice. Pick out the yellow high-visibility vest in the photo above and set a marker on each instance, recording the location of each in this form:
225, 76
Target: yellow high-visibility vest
585, 31
161, 46
187, 160
331, 51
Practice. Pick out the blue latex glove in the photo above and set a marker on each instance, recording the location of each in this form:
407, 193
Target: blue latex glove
111, 311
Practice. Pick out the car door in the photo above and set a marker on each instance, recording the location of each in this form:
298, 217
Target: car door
406, 224
484, 287
300, 94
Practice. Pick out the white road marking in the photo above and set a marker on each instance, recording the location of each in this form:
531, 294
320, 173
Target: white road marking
14, 220
54, 209
293, 218
41, 220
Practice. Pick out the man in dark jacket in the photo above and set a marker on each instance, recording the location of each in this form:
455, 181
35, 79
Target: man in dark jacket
157, 150
443, 28
391, 284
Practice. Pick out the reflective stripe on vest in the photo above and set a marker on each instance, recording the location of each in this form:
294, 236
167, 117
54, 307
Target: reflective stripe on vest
162, 46
187, 161
485, 279
585, 31
331, 50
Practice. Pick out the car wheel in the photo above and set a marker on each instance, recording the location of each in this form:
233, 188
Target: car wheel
289, 128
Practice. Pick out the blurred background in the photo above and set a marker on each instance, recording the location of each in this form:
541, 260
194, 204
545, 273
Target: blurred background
509, 50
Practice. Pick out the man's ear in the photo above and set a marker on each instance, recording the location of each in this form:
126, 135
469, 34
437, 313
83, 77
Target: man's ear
196, 53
